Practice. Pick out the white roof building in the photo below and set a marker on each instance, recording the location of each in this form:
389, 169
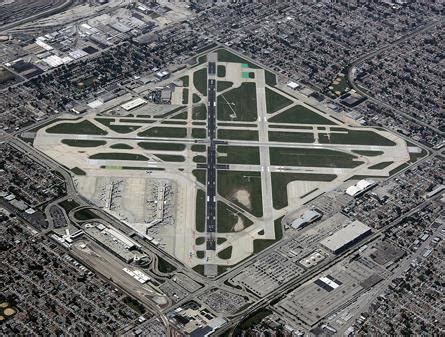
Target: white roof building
346, 236
360, 187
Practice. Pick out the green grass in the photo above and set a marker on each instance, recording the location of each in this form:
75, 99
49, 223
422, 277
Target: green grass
248, 155
237, 134
80, 128
270, 78
118, 156
134, 304
185, 80
202, 59
199, 133
200, 240
227, 218
223, 85
68, 205
368, 153
117, 128
185, 96
137, 121
291, 137
200, 211
251, 321
121, 146
259, 245
164, 266
229, 182
355, 137
226, 253
196, 98
168, 132
201, 175
311, 157
294, 127
162, 146
227, 56
381, 165
200, 254
199, 112
85, 214
221, 71
199, 159
280, 180
300, 115
200, 81
275, 101
220, 241
170, 157
241, 101
83, 142
182, 115
198, 148
78, 171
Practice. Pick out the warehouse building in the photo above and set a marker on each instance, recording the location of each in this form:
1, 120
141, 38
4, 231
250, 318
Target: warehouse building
346, 237
306, 218
361, 187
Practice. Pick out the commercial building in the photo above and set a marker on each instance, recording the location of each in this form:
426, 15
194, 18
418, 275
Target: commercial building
346, 237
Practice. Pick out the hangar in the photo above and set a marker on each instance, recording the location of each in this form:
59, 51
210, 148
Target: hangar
346, 237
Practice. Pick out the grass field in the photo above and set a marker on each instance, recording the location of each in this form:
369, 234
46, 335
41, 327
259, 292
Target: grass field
121, 146
238, 104
280, 180
259, 245
199, 133
200, 211
270, 78
248, 155
227, 218
199, 112
229, 182
199, 159
78, 171
195, 98
200, 81
80, 128
223, 85
170, 157
311, 157
200, 240
117, 128
118, 156
368, 153
237, 134
381, 165
275, 101
227, 56
221, 71
300, 115
85, 214
185, 96
164, 132
162, 146
291, 137
201, 175
226, 253
83, 142
355, 137
185, 80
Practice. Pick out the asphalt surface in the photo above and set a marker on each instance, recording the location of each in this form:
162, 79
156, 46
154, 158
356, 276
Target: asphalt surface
211, 160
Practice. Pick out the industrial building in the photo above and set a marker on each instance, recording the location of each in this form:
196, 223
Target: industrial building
346, 237
361, 187
306, 218
133, 104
